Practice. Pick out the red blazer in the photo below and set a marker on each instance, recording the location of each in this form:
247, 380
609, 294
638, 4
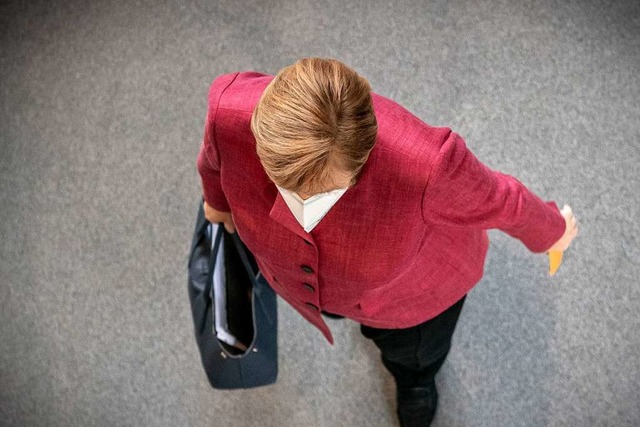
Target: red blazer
398, 248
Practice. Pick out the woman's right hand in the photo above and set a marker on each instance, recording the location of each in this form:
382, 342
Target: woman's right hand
214, 216
570, 232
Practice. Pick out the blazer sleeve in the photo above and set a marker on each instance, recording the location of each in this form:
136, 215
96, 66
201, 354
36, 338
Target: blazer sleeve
463, 192
208, 161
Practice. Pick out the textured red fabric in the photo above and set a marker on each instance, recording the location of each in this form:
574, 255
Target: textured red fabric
401, 246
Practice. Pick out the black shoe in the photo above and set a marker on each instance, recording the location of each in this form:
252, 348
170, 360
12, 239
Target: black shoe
417, 406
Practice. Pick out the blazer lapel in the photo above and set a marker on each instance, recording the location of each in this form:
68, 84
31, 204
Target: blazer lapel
281, 213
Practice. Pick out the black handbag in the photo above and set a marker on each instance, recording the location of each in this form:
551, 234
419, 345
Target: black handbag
234, 309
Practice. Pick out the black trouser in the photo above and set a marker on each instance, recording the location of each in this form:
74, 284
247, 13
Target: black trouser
414, 355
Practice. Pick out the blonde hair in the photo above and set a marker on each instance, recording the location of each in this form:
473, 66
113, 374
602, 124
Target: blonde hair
315, 117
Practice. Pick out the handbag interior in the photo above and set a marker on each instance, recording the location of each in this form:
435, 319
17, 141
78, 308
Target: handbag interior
239, 289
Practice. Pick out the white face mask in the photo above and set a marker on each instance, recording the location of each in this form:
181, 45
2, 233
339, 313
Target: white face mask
309, 212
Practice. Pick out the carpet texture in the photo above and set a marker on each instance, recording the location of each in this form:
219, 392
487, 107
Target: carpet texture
102, 108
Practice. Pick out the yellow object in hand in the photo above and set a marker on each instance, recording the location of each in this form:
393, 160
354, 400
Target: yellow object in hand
555, 259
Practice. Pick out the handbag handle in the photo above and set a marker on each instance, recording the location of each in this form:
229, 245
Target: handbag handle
208, 290
238, 244
243, 255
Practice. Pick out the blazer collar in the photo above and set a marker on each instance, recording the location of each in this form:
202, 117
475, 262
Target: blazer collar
281, 213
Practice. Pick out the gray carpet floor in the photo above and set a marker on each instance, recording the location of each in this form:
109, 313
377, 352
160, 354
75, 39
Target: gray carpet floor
102, 114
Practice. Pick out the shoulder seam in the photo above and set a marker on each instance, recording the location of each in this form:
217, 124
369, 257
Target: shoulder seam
215, 115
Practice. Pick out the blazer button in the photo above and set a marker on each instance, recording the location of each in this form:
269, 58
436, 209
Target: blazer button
306, 268
308, 287
315, 307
